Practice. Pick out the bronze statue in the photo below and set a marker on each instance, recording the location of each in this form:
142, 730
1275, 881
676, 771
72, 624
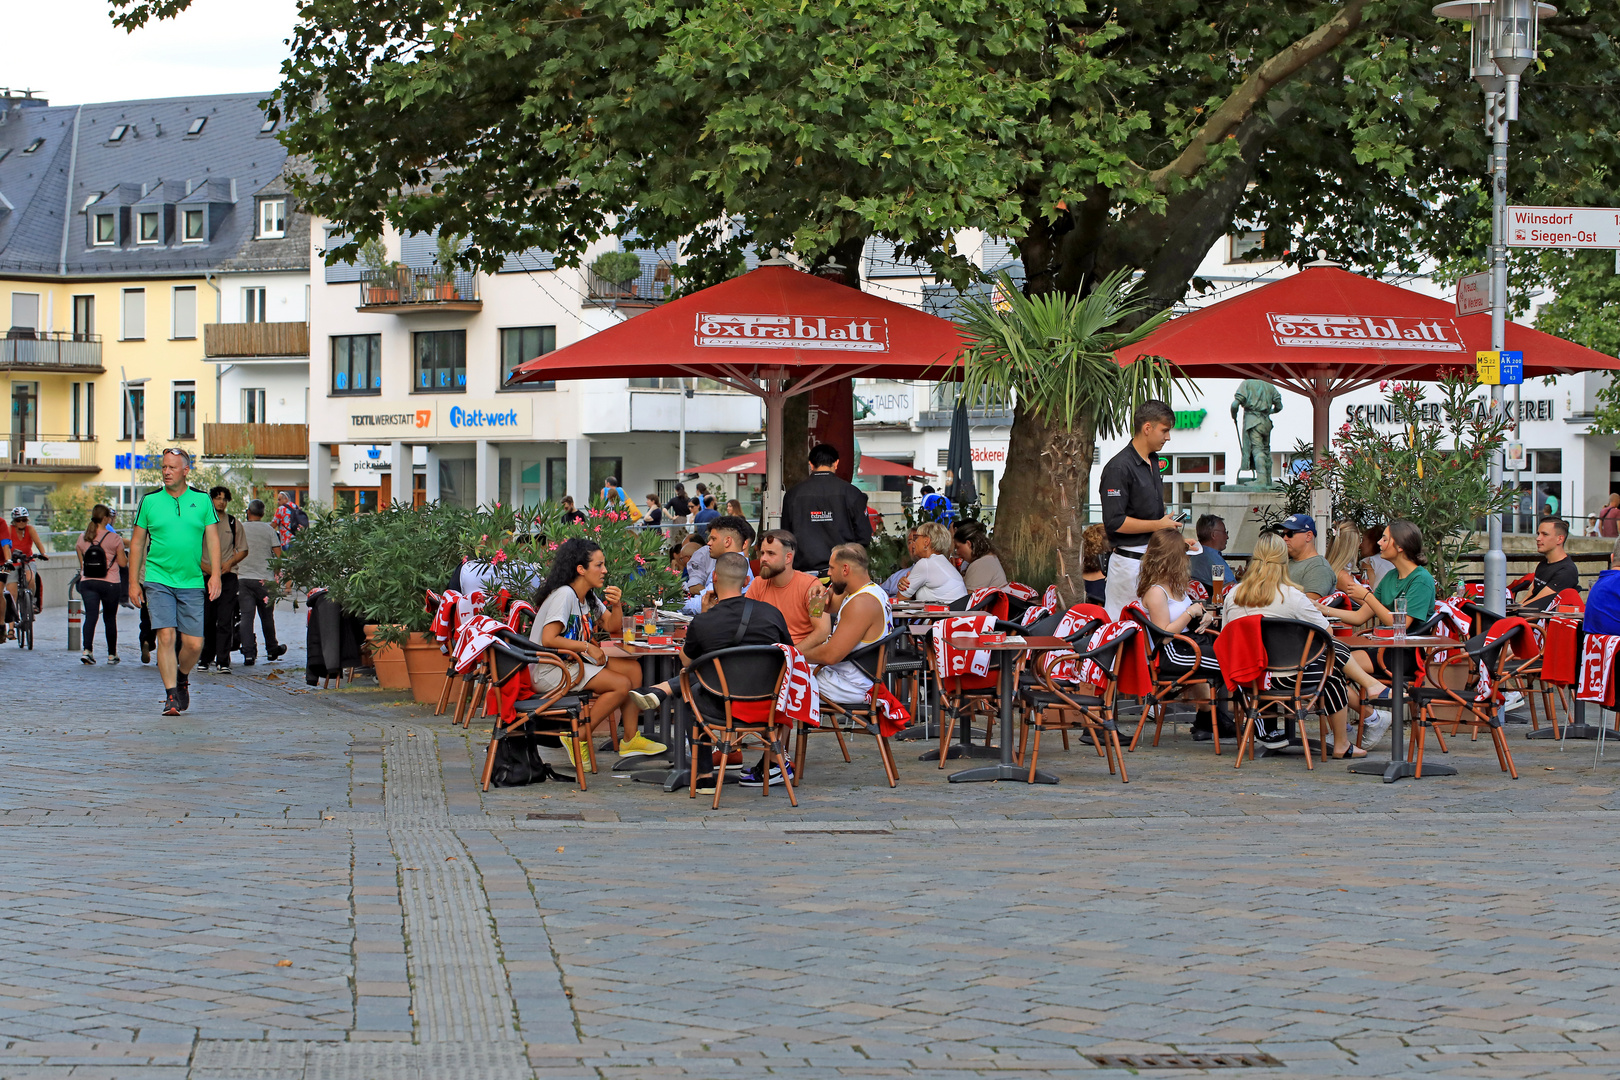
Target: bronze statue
1259, 400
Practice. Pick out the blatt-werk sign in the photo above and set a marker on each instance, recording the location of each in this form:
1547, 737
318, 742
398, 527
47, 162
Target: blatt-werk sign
1360, 331
1540, 409
735, 331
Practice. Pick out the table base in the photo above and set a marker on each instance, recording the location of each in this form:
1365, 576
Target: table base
1573, 731
959, 750
929, 730
1392, 771
1000, 772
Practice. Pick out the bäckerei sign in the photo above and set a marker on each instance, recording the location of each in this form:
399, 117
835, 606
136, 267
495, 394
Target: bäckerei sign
833, 332
1363, 331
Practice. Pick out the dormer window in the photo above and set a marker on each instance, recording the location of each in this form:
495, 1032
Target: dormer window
106, 230
272, 219
268, 126
194, 226
197, 126
118, 133
35, 145
149, 227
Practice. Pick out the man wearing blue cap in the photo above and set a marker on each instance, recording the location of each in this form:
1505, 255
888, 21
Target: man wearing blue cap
1309, 570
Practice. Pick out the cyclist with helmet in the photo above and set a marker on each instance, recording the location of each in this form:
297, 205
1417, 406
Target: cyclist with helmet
26, 545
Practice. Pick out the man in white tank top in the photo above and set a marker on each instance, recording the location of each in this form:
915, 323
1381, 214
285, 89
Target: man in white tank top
859, 609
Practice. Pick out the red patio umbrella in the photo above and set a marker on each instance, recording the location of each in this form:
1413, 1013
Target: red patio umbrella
1324, 332
871, 466
757, 331
744, 463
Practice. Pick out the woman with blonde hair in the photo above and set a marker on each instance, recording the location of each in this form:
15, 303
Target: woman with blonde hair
1266, 589
1345, 551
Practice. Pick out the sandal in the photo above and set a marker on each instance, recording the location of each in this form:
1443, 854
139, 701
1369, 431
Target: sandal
1381, 699
1351, 753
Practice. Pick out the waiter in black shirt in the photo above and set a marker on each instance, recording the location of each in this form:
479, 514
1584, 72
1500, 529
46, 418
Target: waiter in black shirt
1133, 500
824, 511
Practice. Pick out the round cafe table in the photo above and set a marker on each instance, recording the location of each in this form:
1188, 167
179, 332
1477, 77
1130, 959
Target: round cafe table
1397, 766
1013, 648
672, 722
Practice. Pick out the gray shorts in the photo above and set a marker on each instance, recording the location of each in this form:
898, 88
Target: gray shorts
179, 609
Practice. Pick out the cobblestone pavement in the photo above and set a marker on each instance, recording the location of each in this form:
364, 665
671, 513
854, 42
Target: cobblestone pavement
302, 884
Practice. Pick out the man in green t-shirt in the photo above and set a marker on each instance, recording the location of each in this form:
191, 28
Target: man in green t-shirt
171, 527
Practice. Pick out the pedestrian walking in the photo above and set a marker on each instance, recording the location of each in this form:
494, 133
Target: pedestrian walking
825, 510
1133, 500
254, 581
101, 561
172, 525
219, 614
680, 507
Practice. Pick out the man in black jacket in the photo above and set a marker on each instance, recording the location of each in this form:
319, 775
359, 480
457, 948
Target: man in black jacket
824, 511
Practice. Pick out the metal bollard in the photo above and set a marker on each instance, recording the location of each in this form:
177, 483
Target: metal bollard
75, 625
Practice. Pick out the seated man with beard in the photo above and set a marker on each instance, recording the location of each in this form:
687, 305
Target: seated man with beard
860, 612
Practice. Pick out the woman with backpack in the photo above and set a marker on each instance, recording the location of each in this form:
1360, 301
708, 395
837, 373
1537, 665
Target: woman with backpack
101, 555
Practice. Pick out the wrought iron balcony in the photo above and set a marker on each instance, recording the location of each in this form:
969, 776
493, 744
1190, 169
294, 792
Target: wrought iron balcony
32, 350
403, 291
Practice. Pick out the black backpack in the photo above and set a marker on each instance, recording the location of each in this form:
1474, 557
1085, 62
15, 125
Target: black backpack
300, 520
95, 562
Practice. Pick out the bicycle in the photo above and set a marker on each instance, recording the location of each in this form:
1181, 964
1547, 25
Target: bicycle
24, 604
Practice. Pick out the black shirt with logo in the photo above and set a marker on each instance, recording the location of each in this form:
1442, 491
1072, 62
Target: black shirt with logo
822, 512
1130, 488
1556, 576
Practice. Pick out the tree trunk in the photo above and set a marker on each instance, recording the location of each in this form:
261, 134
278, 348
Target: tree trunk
795, 440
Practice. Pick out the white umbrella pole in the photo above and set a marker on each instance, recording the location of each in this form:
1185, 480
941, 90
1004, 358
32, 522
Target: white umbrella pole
774, 399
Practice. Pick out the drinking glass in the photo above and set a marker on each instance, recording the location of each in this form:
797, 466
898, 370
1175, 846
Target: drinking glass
1400, 618
1218, 574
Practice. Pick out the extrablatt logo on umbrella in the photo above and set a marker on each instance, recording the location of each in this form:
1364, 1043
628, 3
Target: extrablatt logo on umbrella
1360, 331
734, 331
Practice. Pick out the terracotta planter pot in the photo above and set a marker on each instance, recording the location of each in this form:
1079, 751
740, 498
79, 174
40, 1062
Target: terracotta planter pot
382, 296
425, 665
389, 661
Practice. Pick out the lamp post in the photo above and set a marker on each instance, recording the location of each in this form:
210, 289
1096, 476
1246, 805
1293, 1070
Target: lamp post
1502, 45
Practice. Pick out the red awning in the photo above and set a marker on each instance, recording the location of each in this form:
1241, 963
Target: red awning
774, 321
745, 463
1324, 332
871, 466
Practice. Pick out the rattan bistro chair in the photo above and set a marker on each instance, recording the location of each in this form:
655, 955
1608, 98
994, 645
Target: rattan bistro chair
732, 694
1454, 686
1291, 647
1168, 688
841, 720
1051, 704
552, 712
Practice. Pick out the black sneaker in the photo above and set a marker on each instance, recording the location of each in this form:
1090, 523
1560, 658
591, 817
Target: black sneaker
223, 669
182, 693
276, 652
249, 661
1271, 740
171, 703
755, 777
1202, 734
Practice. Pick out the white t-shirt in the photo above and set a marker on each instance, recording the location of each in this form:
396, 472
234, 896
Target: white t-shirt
1289, 603
935, 581
261, 537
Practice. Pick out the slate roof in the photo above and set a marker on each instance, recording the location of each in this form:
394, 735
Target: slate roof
156, 163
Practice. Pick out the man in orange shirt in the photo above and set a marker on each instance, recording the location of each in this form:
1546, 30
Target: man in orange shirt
788, 590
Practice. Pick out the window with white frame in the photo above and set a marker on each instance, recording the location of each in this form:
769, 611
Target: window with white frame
185, 313
133, 327
253, 405
185, 410
24, 311
253, 305
272, 219
1240, 244
134, 413
106, 230
149, 227
194, 226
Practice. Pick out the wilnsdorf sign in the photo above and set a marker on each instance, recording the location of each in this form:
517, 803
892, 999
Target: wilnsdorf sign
1362, 331
735, 331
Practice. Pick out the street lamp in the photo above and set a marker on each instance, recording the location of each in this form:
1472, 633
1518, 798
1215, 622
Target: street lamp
1502, 46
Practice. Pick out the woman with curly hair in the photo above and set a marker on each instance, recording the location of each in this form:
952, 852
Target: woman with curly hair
1095, 546
1162, 589
572, 604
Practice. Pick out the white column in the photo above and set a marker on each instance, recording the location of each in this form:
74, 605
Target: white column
513, 496
431, 467
487, 469
579, 471
400, 471
320, 472
773, 458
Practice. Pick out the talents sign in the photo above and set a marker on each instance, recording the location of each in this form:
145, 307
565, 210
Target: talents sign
1563, 226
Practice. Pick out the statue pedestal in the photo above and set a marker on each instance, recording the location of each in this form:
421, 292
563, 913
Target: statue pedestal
1241, 510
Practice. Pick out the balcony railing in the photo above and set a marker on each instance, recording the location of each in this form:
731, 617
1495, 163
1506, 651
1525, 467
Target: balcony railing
646, 290
404, 290
31, 350
244, 340
267, 440
48, 453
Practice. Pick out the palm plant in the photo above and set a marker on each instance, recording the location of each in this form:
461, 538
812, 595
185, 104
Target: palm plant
1054, 354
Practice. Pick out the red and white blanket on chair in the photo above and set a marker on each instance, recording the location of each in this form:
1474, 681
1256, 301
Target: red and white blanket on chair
1597, 682
954, 663
799, 700
450, 609
475, 636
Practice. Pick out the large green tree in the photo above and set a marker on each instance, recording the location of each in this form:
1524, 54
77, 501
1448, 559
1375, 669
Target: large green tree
1100, 137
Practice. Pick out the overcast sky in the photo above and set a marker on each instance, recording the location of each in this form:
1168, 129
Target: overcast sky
70, 52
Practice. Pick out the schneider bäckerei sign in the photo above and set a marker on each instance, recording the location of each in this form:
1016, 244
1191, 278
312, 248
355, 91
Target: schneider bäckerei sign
845, 334
1363, 331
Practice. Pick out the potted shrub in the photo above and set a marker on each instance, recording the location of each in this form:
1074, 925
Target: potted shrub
449, 246
379, 288
617, 268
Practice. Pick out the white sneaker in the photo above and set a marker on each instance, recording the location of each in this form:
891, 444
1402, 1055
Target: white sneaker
1378, 725
1512, 701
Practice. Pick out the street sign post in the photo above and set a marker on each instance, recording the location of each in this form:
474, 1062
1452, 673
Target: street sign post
1474, 294
1563, 226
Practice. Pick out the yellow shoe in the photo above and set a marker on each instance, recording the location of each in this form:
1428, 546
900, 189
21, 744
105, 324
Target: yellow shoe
641, 746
